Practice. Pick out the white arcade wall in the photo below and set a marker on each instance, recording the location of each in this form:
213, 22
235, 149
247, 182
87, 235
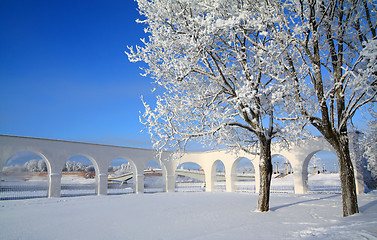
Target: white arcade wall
57, 152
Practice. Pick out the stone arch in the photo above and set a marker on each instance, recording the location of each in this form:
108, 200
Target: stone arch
317, 171
153, 177
91, 159
80, 176
18, 181
242, 180
217, 180
305, 164
121, 176
190, 177
312, 154
15, 152
281, 164
282, 177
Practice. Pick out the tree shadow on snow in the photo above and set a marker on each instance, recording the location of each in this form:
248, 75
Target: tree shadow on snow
303, 201
365, 207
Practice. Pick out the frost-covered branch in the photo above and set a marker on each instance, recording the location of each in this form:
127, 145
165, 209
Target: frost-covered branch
217, 69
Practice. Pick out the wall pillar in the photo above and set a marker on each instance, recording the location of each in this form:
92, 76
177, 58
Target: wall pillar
358, 172
209, 181
139, 183
359, 181
357, 160
300, 182
170, 183
257, 178
102, 184
54, 185
230, 180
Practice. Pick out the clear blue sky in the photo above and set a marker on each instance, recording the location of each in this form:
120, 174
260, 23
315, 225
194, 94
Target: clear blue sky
64, 73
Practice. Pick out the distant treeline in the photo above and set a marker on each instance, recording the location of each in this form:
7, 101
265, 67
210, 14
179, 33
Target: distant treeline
70, 166
30, 166
41, 166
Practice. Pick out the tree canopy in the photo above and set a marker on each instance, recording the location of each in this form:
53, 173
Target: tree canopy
240, 72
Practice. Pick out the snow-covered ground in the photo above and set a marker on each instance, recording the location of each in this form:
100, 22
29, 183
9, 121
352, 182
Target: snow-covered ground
184, 215
75, 185
191, 215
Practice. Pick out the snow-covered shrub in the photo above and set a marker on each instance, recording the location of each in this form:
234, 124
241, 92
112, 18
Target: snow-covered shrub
31, 166
42, 166
370, 144
73, 167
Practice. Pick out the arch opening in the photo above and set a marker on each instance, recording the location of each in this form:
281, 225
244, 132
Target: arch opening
323, 172
120, 177
282, 175
153, 181
244, 172
218, 176
24, 175
190, 177
79, 176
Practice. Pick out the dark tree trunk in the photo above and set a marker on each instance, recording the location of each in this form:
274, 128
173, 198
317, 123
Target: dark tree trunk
347, 177
265, 168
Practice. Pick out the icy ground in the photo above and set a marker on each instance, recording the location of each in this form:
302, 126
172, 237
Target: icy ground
187, 215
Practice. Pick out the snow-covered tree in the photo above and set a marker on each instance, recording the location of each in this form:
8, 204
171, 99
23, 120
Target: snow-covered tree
74, 167
42, 166
231, 68
370, 144
329, 54
218, 84
14, 169
31, 166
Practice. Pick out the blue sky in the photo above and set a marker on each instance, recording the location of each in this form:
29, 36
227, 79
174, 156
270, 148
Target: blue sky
64, 73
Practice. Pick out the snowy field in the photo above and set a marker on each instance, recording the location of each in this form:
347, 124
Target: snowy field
72, 185
189, 213
184, 215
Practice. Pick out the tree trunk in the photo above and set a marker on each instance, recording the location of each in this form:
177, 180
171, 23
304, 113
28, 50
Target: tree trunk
347, 177
265, 168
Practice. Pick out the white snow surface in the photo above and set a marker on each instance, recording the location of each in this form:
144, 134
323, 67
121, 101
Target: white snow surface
188, 215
